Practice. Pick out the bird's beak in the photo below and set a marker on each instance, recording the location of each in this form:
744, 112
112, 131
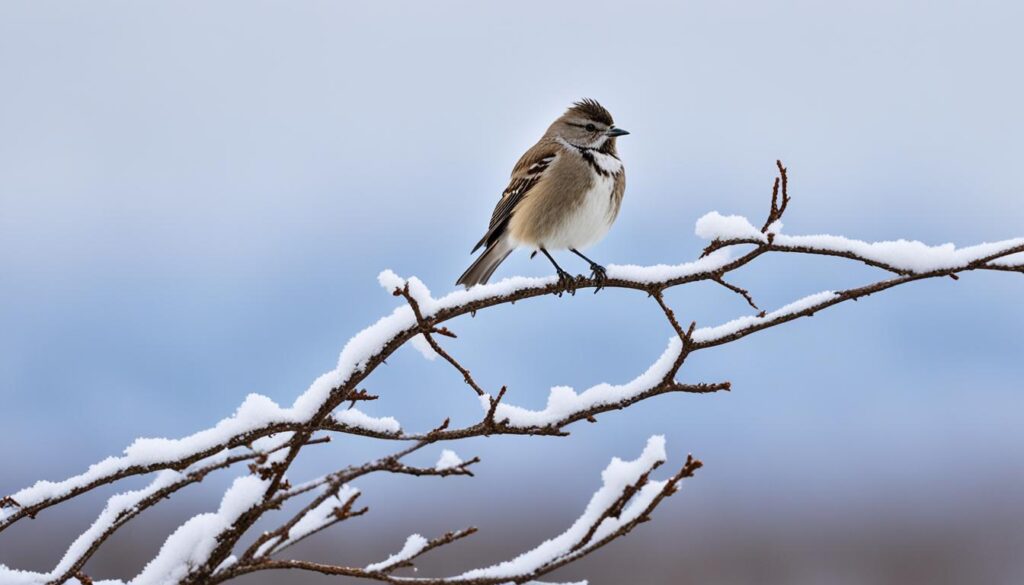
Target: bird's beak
613, 132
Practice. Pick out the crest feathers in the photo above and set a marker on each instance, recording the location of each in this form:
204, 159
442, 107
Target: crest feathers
591, 110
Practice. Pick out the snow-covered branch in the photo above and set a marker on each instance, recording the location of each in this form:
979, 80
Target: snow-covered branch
625, 499
269, 436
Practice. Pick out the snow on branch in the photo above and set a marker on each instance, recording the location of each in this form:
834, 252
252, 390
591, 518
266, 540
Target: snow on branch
899, 256
194, 541
448, 460
414, 546
335, 505
626, 495
625, 499
268, 438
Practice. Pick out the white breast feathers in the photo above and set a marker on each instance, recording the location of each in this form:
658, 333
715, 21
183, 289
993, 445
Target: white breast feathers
589, 221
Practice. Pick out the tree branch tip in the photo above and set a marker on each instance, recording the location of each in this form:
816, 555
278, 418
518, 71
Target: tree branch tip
445, 332
692, 464
489, 417
438, 429
361, 394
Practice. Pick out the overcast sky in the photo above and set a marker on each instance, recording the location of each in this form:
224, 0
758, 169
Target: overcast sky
196, 197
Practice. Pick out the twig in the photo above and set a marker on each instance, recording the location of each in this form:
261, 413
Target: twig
426, 329
740, 291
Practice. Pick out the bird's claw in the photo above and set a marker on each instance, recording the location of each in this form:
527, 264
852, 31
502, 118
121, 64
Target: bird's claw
567, 281
599, 275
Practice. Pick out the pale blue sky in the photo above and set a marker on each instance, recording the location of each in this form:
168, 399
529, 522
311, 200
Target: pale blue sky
196, 197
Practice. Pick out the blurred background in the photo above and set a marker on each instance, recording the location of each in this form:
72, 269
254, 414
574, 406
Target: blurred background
196, 198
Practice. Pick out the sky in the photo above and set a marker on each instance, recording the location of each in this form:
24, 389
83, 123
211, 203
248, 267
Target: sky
196, 198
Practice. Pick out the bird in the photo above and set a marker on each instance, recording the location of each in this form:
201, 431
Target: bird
564, 194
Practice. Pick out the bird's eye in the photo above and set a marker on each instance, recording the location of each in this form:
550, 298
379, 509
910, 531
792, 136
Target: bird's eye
590, 127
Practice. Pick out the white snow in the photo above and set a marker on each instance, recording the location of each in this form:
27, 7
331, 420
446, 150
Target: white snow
9, 576
912, 256
191, 544
662, 272
414, 545
124, 503
313, 520
705, 334
256, 411
390, 281
447, 460
715, 226
226, 563
616, 477
563, 401
115, 506
421, 345
1013, 260
270, 444
354, 417
906, 255
322, 514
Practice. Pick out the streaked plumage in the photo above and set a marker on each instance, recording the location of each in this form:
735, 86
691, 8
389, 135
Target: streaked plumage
564, 193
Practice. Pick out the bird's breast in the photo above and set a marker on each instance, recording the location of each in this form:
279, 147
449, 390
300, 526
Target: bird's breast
586, 220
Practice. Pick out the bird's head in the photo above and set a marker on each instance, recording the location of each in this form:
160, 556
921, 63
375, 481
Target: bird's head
587, 124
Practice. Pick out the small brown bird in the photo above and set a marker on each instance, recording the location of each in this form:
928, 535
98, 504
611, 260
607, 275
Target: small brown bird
564, 194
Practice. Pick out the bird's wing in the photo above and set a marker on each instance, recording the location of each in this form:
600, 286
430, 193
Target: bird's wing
527, 173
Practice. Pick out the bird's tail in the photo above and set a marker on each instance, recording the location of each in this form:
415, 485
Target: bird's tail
480, 271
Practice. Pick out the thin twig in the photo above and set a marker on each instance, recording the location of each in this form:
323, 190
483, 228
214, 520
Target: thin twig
426, 330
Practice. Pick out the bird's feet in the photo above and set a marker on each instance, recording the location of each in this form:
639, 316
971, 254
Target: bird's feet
567, 282
599, 274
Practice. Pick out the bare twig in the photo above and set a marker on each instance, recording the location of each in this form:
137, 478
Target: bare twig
740, 291
426, 329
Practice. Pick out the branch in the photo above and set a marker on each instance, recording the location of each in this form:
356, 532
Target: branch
426, 329
336, 495
740, 291
122, 508
777, 209
319, 407
625, 500
416, 546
